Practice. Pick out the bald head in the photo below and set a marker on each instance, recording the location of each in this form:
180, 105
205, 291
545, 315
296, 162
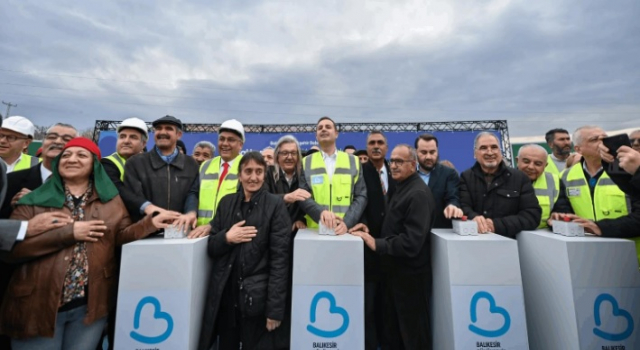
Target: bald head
532, 159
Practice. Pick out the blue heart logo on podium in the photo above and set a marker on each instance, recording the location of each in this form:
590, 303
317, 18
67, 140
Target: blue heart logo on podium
494, 309
333, 309
158, 314
617, 311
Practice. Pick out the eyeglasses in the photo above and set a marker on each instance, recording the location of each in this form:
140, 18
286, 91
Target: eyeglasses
52, 136
635, 140
12, 138
399, 162
291, 154
223, 139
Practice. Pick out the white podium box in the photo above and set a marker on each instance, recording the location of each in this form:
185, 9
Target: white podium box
161, 296
328, 292
580, 292
478, 301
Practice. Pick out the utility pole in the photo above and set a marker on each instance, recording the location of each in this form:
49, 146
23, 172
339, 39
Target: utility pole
9, 105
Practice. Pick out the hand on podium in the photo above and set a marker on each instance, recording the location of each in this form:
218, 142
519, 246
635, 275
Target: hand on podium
366, 237
200, 231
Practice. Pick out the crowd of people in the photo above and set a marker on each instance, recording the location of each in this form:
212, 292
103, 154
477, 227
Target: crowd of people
65, 213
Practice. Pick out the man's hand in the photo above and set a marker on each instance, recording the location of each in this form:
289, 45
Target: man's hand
300, 225
272, 324
589, 226
239, 233
451, 211
359, 227
47, 221
200, 231
186, 220
88, 231
19, 195
329, 219
341, 228
490, 226
297, 195
483, 227
366, 237
151, 208
560, 217
604, 153
629, 159
164, 219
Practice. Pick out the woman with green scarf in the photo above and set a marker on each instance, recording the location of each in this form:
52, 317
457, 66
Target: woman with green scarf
60, 293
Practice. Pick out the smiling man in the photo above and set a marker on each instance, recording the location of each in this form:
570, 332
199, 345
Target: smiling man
406, 255
498, 198
132, 137
24, 181
161, 179
532, 160
15, 135
219, 176
334, 179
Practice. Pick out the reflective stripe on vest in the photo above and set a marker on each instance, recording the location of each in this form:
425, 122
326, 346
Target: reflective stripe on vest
209, 197
335, 195
547, 189
26, 162
552, 167
609, 202
119, 162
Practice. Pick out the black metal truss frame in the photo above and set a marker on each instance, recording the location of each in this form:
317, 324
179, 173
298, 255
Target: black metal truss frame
476, 125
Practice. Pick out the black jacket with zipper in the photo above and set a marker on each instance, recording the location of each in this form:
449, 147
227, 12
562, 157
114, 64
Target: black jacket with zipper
147, 177
264, 262
509, 200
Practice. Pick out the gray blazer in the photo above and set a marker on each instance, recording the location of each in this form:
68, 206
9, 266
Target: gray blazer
8, 228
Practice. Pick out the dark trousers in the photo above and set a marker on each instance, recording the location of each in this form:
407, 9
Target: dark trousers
407, 319
373, 315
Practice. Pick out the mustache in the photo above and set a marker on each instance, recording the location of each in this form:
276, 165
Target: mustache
55, 146
376, 150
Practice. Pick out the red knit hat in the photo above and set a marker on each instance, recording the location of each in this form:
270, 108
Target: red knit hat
84, 143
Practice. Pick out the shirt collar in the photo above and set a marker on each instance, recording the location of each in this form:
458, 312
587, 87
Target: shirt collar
325, 156
168, 159
45, 172
584, 167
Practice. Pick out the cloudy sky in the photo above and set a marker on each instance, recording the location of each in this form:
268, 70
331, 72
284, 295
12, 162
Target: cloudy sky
537, 64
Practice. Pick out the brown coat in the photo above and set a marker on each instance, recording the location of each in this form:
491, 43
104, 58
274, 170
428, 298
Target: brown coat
31, 303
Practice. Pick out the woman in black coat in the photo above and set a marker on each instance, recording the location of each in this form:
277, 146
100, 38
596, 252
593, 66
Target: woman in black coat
249, 246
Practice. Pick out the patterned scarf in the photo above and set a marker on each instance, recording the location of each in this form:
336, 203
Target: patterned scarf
77, 276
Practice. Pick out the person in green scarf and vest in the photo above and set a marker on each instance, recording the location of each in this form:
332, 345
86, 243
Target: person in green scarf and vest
60, 293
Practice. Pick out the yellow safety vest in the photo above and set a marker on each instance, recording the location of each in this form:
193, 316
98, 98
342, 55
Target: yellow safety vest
551, 167
26, 161
609, 202
335, 195
209, 196
119, 162
547, 189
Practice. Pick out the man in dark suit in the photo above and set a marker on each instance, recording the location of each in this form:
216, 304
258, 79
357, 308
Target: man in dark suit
442, 181
380, 185
24, 181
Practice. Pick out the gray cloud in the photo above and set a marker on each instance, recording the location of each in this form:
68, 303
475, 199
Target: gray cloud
538, 65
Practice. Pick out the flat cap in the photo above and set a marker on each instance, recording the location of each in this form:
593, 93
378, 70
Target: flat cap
167, 119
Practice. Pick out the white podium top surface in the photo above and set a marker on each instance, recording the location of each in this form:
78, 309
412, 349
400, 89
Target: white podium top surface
587, 239
448, 233
159, 240
312, 235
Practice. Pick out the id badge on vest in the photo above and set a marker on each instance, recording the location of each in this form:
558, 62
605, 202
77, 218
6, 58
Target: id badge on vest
574, 192
317, 179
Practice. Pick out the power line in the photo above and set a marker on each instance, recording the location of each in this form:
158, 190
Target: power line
9, 105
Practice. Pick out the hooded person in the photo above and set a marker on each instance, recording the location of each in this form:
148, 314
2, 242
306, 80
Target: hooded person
69, 270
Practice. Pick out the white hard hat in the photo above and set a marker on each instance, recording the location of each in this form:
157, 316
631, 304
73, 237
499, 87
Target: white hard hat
233, 125
134, 123
20, 125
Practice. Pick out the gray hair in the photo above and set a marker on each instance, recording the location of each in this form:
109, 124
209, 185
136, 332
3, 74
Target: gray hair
205, 144
64, 125
412, 151
634, 131
483, 134
577, 135
532, 145
266, 149
284, 140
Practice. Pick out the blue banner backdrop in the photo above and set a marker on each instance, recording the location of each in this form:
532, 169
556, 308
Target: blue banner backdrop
454, 146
